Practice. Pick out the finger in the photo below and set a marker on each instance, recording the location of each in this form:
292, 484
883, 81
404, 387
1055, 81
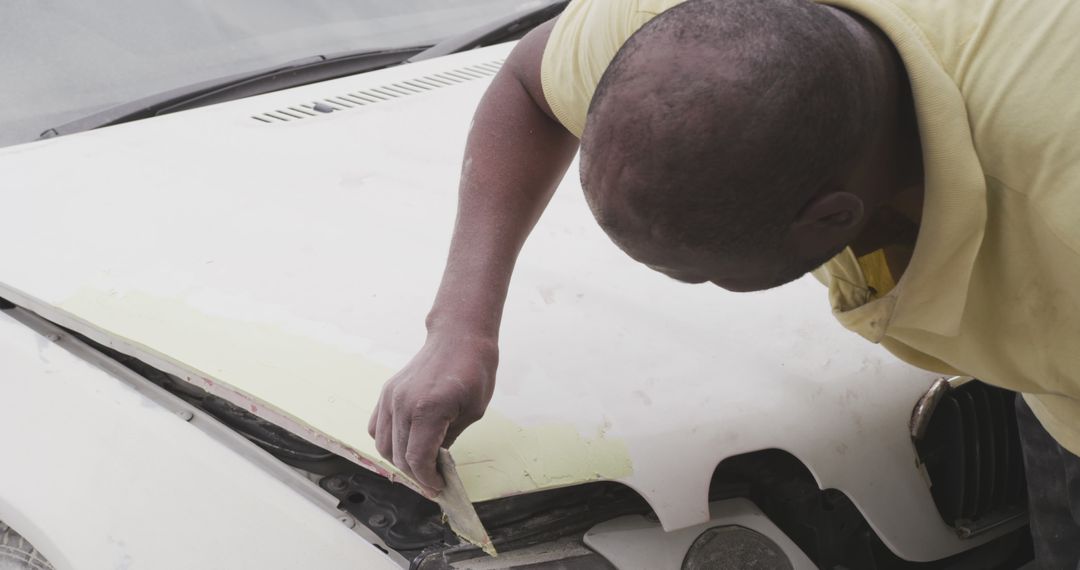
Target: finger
373, 421
424, 441
401, 424
384, 432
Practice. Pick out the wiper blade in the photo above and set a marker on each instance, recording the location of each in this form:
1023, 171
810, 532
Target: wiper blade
292, 74
507, 28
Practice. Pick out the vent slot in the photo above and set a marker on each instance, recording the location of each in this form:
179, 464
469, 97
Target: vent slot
971, 452
381, 94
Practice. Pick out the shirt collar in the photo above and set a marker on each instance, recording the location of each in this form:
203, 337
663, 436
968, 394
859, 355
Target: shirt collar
932, 293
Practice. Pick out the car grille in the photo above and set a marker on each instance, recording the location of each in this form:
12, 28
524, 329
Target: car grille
970, 448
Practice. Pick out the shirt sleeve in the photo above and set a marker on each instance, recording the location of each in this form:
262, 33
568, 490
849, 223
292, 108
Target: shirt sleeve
583, 42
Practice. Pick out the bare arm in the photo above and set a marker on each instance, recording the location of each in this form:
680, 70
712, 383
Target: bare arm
515, 156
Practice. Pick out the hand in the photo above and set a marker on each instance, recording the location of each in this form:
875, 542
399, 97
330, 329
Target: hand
440, 392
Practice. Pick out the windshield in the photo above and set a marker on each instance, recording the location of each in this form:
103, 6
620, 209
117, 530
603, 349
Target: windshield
61, 60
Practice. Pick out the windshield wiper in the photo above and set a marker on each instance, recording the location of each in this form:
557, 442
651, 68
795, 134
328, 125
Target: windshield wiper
504, 29
292, 74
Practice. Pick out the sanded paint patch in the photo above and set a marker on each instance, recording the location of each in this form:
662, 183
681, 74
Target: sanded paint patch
498, 457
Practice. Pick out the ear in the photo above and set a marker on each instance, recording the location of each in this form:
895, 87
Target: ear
828, 221
831, 211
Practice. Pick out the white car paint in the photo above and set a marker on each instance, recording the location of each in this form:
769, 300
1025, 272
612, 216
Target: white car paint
295, 261
97, 475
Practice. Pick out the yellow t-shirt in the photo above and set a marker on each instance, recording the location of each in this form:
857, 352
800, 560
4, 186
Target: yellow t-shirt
993, 286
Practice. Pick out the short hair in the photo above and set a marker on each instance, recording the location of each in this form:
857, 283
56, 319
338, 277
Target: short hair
764, 101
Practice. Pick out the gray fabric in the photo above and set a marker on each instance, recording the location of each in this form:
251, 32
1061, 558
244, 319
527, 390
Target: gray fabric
1053, 477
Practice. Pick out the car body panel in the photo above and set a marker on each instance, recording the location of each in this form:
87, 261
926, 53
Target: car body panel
636, 542
288, 264
97, 475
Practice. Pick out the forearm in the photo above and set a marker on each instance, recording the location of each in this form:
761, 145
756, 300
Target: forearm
515, 156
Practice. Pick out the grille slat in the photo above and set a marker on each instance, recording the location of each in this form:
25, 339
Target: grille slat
381, 94
971, 454
419, 87
987, 473
449, 78
354, 99
400, 90
436, 81
377, 95
292, 114
466, 73
385, 92
278, 117
367, 97
1017, 489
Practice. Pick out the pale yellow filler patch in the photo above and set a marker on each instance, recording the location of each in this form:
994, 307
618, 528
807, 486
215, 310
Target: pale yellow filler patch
327, 394
498, 457
312, 383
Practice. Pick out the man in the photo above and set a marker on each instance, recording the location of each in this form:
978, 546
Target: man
924, 154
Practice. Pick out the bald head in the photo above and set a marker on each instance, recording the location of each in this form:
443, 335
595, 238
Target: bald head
719, 120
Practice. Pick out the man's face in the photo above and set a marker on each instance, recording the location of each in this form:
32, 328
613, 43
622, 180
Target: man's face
753, 273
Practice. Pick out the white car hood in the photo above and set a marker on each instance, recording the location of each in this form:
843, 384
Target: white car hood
294, 261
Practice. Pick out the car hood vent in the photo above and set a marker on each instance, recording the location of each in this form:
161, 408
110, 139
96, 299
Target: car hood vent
380, 94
